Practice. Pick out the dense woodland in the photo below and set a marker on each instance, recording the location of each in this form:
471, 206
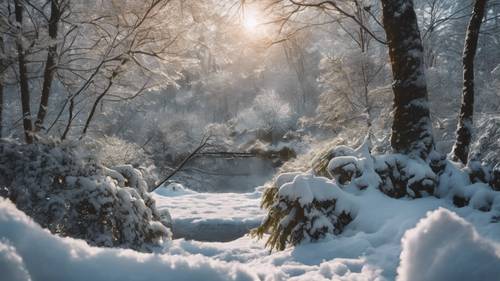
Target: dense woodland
117, 117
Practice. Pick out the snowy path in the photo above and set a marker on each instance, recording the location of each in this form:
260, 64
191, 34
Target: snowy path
210, 216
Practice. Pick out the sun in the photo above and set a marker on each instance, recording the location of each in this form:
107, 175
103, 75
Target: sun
250, 22
250, 19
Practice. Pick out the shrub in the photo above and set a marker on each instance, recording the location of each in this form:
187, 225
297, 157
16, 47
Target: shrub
304, 209
71, 194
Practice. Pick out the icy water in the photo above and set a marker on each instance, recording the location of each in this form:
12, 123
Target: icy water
223, 175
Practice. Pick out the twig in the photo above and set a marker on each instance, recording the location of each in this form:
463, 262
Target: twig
203, 143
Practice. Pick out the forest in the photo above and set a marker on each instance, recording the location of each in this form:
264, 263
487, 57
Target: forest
265, 140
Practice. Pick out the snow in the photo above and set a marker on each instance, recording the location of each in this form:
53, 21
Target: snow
76, 260
389, 239
11, 264
209, 216
307, 188
368, 249
448, 248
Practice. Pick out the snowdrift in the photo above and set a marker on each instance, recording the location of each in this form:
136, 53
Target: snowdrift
441, 246
28, 252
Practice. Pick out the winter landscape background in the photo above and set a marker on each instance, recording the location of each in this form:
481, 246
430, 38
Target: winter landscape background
250, 140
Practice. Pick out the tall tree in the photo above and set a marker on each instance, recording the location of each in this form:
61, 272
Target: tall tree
412, 127
23, 73
460, 150
50, 63
3, 67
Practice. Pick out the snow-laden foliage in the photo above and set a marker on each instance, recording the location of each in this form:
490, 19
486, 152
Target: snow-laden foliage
114, 151
71, 194
305, 209
399, 175
486, 148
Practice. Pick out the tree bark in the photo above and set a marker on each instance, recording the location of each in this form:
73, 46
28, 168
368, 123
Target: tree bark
50, 64
460, 150
70, 119
2, 71
412, 127
23, 76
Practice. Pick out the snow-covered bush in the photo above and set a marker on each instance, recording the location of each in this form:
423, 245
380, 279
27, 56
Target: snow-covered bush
304, 209
394, 174
114, 151
487, 146
111, 151
71, 194
399, 175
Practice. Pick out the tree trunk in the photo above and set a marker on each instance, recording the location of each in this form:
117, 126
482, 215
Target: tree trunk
23, 76
412, 127
460, 150
50, 64
3, 67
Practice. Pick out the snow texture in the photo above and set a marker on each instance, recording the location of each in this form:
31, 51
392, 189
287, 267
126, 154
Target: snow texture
370, 247
444, 246
209, 216
74, 196
76, 260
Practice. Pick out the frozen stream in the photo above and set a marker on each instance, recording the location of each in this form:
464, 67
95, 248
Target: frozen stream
210, 217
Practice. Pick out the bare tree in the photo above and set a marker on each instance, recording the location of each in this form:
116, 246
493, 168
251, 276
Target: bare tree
23, 74
460, 150
56, 10
295, 57
412, 127
3, 67
73, 47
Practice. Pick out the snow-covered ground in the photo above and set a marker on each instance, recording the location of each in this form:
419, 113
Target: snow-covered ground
209, 216
390, 239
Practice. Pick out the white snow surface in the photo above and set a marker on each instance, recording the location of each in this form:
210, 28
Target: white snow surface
307, 188
209, 216
389, 239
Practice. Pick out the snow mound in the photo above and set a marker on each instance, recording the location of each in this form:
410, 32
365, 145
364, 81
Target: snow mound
443, 246
24, 240
11, 264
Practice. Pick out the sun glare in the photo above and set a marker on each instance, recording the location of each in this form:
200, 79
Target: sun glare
250, 20
250, 23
